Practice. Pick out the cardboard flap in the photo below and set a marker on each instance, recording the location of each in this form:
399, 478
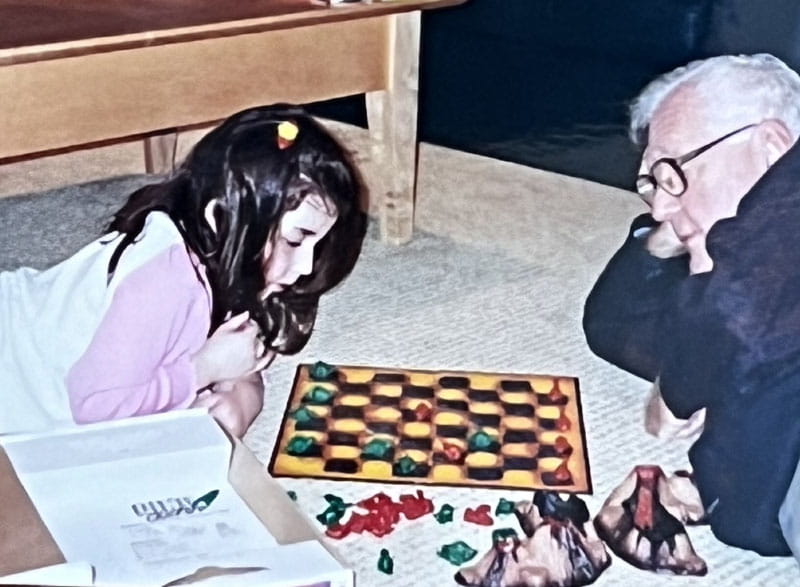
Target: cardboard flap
25, 542
267, 498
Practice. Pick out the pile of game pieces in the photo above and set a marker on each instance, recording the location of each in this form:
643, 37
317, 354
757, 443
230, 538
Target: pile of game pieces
560, 547
380, 518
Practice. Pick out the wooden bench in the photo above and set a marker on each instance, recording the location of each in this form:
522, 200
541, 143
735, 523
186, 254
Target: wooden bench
83, 72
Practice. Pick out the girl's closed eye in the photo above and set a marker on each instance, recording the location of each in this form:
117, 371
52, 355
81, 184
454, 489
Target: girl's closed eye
292, 243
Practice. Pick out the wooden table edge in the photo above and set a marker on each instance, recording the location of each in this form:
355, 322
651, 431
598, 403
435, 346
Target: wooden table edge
90, 46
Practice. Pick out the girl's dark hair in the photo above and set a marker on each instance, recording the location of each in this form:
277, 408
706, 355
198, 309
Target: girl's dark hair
253, 181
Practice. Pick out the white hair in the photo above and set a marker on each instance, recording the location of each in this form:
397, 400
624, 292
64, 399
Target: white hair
760, 85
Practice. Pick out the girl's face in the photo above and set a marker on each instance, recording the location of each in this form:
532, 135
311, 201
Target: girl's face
291, 254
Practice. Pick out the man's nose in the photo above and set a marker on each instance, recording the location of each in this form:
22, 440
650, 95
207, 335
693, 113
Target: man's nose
664, 205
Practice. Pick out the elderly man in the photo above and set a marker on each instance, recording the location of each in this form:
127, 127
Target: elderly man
704, 295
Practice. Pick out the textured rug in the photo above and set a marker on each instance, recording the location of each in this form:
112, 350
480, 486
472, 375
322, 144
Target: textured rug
494, 280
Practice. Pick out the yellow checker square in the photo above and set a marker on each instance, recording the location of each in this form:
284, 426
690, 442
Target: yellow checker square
548, 412
349, 425
376, 469
486, 408
482, 381
519, 423
427, 427
385, 414
360, 376
342, 452
421, 378
448, 473
417, 429
353, 399
519, 449
450, 419
514, 397
452, 395
388, 390
543, 384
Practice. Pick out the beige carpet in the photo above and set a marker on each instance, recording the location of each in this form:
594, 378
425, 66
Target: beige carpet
494, 280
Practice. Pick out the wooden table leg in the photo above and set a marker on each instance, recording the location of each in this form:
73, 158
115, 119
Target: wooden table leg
159, 152
392, 118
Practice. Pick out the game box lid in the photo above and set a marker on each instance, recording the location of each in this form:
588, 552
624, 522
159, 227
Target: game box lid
296, 556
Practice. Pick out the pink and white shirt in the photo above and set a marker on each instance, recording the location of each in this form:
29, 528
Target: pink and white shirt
74, 349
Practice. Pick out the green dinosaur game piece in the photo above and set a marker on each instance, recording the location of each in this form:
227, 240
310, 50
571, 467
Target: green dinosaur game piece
406, 467
457, 553
318, 396
334, 512
482, 442
504, 506
302, 446
377, 448
304, 415
385, 562
445, 514
321, 371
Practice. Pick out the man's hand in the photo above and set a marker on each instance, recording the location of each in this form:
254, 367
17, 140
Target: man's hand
662, 242
660, 422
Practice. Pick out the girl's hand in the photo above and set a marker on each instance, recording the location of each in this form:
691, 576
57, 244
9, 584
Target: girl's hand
234, 404
233, 351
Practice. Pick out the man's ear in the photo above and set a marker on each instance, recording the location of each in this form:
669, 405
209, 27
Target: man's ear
208, 214
775, 138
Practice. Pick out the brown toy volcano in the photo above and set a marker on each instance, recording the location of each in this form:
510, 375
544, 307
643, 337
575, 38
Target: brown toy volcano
642, 521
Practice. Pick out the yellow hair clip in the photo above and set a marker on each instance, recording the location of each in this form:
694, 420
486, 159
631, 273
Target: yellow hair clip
287, 133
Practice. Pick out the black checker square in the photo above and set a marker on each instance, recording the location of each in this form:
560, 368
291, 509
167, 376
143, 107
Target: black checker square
523, 410
485, 473
449, 431
390, 378
384, 400
312, 425
486, 420
455, 405
418, 392
378, 427
348, 466
483, 395
515, 385
342, 438
416, 443
355, 388
519, 436
543, 399
520, 463
547, 424
351, 412
453, 382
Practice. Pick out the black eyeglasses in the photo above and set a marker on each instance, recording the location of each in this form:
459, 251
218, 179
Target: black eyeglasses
666, 173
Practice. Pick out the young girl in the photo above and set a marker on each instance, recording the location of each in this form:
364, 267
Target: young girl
198, 282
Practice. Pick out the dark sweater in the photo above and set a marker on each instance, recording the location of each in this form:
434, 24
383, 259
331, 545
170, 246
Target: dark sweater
727, 340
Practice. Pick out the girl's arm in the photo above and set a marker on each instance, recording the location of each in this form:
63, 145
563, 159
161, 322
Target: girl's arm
139, 360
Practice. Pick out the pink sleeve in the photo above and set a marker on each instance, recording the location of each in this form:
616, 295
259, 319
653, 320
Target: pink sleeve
138, 361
